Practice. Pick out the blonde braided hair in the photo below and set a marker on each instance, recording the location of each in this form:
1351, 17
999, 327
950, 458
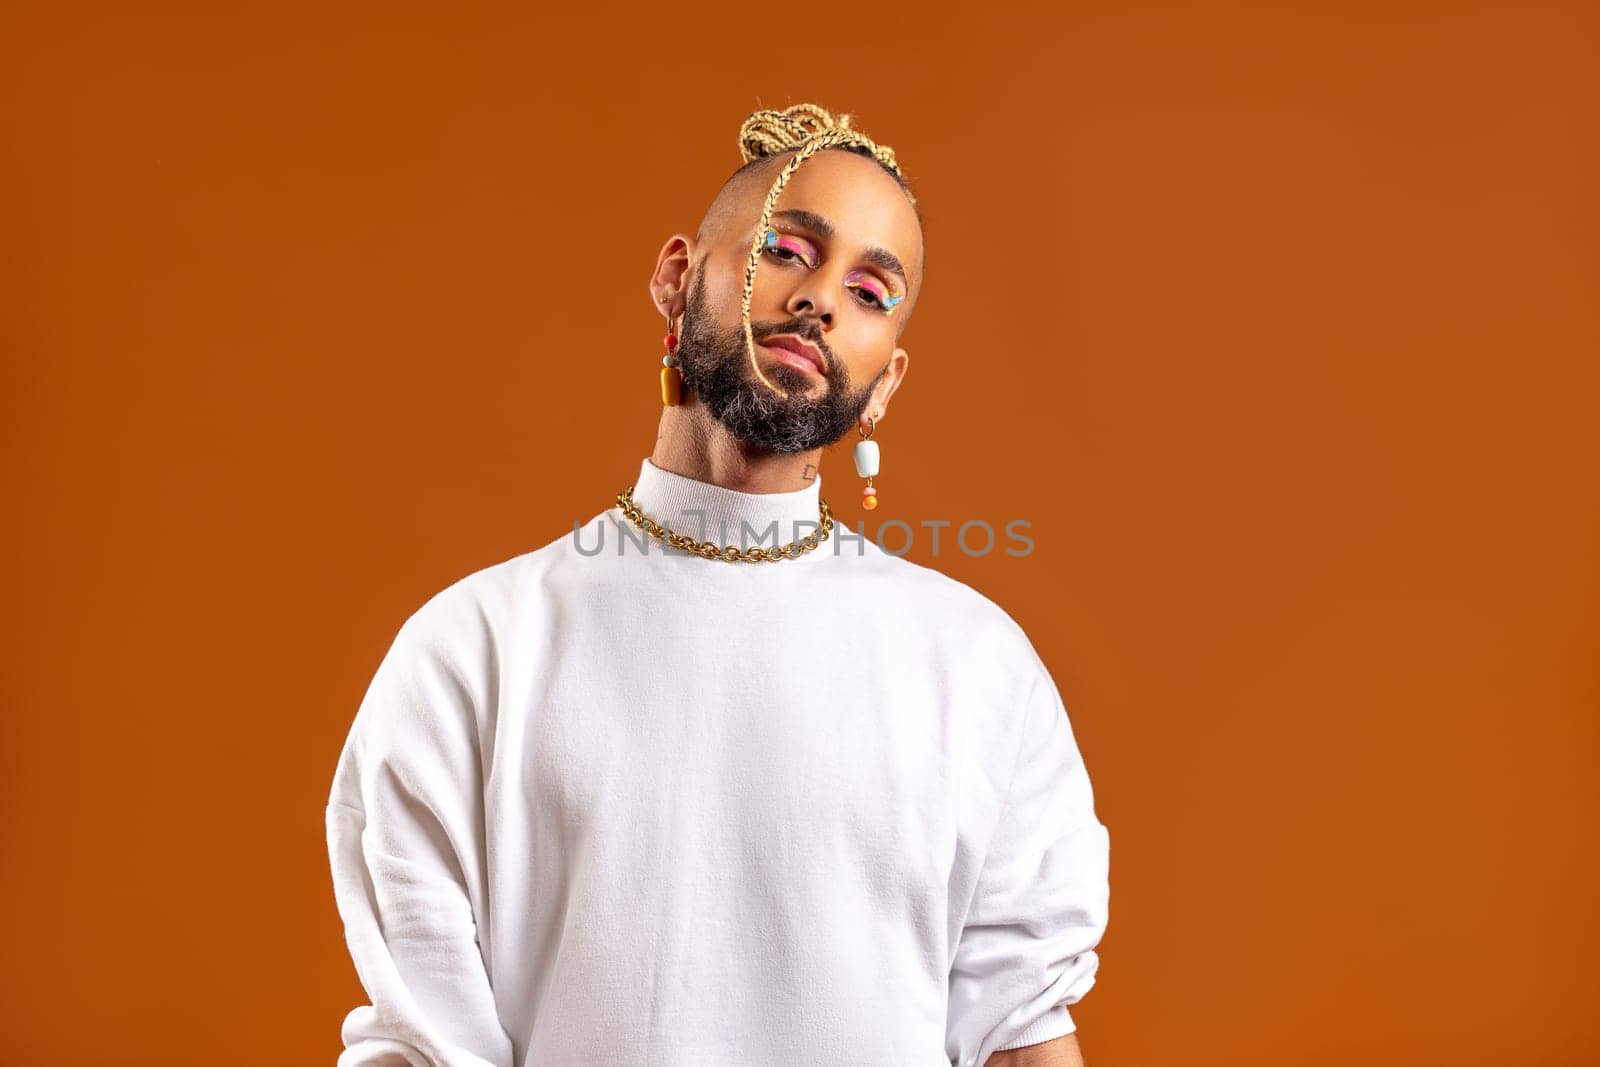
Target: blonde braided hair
804, 129
767, 133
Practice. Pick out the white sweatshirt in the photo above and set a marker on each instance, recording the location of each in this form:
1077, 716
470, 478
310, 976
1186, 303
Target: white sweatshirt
629, 806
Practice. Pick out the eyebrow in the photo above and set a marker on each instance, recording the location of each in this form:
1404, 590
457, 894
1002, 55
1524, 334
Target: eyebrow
881, 258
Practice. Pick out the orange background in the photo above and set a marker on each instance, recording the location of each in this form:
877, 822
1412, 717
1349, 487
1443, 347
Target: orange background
1279, 325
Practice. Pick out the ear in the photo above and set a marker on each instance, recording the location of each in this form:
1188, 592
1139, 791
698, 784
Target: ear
899, 363
669, 285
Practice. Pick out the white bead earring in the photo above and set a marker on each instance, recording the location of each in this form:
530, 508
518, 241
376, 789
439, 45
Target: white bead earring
867, 460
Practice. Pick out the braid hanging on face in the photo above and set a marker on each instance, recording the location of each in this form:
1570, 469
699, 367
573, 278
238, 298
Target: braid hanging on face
804, 129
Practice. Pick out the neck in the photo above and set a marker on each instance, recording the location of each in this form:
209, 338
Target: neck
692, 443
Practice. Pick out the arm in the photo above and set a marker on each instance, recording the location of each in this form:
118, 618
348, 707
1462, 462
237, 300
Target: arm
1059, 1052
1027, 946
405, 847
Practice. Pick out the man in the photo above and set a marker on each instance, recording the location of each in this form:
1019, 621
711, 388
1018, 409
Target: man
668, 797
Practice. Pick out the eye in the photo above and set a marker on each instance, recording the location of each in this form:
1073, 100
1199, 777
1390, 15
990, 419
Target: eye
867, 296
787, 249
870, 291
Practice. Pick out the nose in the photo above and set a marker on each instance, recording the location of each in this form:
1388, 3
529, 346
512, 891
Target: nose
808, 302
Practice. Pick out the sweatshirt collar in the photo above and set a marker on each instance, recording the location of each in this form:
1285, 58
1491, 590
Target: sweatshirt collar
705, 511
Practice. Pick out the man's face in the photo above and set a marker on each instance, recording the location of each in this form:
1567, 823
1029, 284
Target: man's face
848, 242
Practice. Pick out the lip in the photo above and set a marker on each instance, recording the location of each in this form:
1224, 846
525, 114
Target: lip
806, 352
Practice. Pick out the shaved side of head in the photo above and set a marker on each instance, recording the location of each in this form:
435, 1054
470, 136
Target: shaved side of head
731, 204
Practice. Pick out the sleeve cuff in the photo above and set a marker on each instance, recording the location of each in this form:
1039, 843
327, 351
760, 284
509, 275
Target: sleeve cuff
1052, 1024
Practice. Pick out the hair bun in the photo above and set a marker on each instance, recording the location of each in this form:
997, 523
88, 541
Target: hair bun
769, 133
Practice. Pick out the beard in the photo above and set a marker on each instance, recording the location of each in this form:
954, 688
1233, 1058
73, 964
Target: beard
715, 365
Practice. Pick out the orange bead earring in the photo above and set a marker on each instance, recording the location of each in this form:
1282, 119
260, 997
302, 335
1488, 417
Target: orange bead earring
867, 460
671, 376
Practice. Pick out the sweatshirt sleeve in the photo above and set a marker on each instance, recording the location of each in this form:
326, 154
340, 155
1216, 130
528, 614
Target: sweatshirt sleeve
405, 843
1027, 947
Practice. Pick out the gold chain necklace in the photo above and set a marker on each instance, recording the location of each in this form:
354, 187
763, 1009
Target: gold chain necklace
730, 553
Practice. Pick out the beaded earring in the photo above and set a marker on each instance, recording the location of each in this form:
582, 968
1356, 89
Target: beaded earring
867, 460
671, 376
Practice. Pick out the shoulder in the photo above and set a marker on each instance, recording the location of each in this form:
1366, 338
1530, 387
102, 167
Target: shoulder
476, 603
444, 654
936, 601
